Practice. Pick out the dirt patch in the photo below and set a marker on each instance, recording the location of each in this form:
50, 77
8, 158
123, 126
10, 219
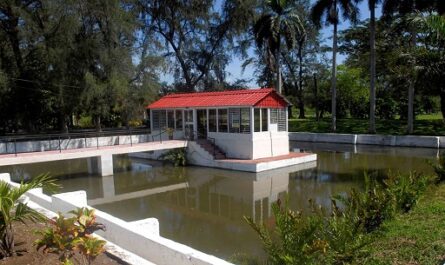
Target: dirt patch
24, 234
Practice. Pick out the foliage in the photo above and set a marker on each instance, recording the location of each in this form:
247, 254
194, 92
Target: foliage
439, 168
178, 157
406, 189
71, 235
369, 207
14, 209
341, 235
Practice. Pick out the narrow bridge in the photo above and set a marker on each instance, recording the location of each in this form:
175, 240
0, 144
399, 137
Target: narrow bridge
101, 156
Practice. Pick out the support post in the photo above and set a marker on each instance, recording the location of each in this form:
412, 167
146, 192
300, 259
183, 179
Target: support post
101, 165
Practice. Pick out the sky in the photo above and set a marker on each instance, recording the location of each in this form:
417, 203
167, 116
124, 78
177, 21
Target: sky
234, 68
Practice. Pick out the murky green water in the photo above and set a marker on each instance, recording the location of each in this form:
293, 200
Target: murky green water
204, 207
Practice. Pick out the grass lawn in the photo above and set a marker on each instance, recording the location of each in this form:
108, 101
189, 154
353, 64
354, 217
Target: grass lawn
417, 237
431, 124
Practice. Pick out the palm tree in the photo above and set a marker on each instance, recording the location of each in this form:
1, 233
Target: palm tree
329, 10
279, 20
372, 5
13, 209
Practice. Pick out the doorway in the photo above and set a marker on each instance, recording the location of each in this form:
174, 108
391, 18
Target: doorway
201, 116
188, 124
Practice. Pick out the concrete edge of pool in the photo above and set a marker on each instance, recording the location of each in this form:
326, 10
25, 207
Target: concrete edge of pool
132, 242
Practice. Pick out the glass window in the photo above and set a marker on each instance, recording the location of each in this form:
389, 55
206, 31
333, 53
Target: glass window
212, 120
282, 120
257, 120
178, 120
171, 118
155, 119
222, 120
234, 124
245, 120
273, 116
264, 116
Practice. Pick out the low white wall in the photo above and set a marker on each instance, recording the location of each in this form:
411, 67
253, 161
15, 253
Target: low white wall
252, 146
234, 145
269, 144
370, 139
141, 237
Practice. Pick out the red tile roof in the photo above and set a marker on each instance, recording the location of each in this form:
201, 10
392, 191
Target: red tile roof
265, 97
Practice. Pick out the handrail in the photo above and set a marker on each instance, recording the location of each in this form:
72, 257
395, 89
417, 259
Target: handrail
159, 134
213, 140
58, 139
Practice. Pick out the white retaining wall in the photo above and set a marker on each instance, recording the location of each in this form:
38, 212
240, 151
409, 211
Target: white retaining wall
371, 139
141, 237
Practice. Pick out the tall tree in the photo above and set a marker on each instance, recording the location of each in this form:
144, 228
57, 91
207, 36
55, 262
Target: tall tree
404, 8
280, 21
372, 5
330, 10
197, 37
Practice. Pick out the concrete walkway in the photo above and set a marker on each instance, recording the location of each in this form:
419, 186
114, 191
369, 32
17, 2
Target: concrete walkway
46, 156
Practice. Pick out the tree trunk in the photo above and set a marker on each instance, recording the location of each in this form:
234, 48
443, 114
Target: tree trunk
442, 103
334, 81
300, 82
412, 82
373, 74
317, 111
97, 123
278, 67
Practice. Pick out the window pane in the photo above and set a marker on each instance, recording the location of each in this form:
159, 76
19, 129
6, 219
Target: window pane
155, 121
264, 125
245, 120
234, 125
282, 120
222, 120
162, 119
171, 119
257, 120
212, 120
179, 120
273, 116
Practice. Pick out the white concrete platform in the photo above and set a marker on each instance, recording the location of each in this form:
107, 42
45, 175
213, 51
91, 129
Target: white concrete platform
264, 164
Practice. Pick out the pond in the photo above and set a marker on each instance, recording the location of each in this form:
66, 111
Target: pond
204, 207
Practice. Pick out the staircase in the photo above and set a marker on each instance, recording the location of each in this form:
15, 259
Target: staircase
211, 148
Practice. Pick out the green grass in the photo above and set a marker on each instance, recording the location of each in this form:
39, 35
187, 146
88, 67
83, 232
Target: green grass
417, 237
426, 124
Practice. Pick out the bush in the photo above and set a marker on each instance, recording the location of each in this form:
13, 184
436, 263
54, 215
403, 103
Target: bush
69, 235
406, 189
439, 168
178, 157
368, 209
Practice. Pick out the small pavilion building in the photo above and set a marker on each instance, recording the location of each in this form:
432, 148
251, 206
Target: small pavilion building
246, 124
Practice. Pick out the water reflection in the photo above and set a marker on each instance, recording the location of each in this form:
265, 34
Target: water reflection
204, 207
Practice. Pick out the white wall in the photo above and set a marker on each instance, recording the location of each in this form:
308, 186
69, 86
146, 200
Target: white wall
234, 145
141, 238
269, 144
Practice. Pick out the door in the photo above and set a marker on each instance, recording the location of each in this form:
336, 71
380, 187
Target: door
188, 124
201, 116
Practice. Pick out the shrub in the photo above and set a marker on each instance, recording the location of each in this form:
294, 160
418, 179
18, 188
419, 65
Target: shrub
406, 189
368, 209
69, 235
13, 209
178, 157
439, 168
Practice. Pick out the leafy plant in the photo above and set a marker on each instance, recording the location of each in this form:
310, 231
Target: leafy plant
178, 157
294, 240
368, 209
407, 189
71, 235
439, 168
14, 209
